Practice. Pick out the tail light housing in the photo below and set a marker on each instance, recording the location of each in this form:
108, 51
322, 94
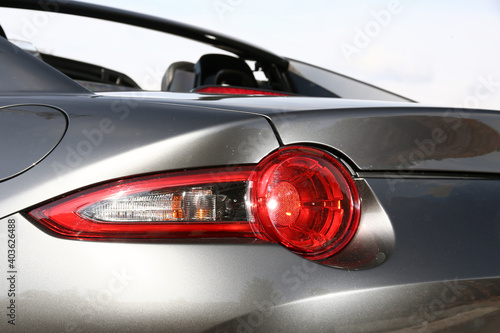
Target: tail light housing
194, 204
300, 197
306, 200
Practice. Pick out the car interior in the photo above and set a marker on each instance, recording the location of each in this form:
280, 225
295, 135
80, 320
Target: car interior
211, 73
182, 76
242, 70
179, 77
210, 70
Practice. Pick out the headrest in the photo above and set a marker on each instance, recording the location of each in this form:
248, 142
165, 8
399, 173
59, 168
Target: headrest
178, 77
226, 68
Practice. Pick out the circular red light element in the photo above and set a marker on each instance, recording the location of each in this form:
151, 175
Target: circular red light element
306, 200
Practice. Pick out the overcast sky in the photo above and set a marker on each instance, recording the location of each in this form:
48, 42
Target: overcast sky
440, 52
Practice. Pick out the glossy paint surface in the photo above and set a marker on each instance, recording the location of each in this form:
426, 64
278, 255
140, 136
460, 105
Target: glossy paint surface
425, 256
434, 272
21, 72
30, 133
392, 137
109, 138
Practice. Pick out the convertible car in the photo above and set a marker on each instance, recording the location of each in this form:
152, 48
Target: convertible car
248, 193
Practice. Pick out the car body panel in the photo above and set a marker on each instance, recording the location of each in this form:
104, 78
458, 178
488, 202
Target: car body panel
101, 285
32, 131
424, 258
433, 274
21, 72
378, 136
455, 306
402, 139
120, 131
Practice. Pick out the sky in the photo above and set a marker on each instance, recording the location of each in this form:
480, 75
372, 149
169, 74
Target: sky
442, 53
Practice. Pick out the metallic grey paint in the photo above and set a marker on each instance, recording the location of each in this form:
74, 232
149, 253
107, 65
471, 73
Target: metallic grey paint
425, 257
423, 241
21, 72
30, 132
130, 134
435, 273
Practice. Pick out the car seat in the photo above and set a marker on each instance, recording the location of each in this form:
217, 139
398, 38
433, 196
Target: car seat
217, 69
179, 77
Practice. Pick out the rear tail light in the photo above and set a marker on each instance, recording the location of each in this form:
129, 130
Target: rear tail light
300, 197
306, 200
237, 91
204, 204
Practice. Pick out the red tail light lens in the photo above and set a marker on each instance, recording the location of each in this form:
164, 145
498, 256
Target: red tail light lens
204, 204
306, 200
300, 197
237, 91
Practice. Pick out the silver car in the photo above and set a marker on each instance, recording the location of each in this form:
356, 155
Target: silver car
250, 193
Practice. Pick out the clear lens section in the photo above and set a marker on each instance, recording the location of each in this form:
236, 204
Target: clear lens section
194, 204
